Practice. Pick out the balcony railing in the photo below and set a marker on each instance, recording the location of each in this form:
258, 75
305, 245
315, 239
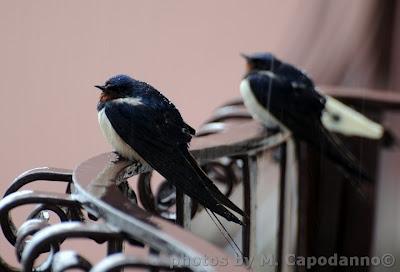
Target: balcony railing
100, 204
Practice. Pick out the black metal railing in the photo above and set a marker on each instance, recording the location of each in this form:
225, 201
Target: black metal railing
100, 203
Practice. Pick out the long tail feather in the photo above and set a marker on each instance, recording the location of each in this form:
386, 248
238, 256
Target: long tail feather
213, 188
334, 149
187, 177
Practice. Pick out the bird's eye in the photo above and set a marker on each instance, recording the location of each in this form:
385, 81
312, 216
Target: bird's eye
335, 117
108, 86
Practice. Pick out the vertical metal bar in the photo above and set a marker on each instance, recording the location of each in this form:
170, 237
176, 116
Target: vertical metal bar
288, 210
154, 253
282, 184
250, 206
115, 246
183, 209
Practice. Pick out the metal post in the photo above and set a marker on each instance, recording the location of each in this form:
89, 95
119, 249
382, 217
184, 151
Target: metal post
115, 246
250, 206
183, 209
288, 207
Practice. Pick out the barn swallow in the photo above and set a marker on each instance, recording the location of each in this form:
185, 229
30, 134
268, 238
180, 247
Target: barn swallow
143, 125
275, 99
335, 116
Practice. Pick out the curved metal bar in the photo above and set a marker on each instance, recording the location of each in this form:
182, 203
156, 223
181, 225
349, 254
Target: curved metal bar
166, 198
65, 260
145, 192
242, 138
28, 197
230, 112
222, 173
42, 173
128, 192
118, 261
160, 202
56, 233
234, 102
4, 266
27, 229
46, 207
210, 128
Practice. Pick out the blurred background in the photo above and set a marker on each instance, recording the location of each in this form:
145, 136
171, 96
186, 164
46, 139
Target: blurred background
53, 52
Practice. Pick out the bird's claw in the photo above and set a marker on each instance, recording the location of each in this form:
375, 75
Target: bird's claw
273, 129
118, 158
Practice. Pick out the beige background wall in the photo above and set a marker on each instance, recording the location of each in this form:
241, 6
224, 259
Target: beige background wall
53, 52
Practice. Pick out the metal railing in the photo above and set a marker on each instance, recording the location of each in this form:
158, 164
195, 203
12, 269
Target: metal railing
99, 203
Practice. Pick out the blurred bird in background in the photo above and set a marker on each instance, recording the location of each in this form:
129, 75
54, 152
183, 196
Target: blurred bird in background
282, 96
338, 117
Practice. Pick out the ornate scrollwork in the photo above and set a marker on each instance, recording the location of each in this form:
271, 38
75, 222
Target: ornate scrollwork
52, 236
30, 197
28, 229
226, 173
118, 261
42, 173
161, 202
62, 205
66, 260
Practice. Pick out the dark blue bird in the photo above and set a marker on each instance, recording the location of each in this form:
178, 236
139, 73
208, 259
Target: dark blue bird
336, 116
143, 125
278, 93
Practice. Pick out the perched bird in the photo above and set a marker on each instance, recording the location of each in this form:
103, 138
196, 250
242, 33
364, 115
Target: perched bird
284, 96
336, 116
143, 125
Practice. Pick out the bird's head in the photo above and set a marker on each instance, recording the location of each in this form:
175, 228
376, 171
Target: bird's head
116, 87
261, 61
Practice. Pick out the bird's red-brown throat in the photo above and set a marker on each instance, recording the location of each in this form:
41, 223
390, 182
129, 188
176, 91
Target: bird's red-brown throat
105, 94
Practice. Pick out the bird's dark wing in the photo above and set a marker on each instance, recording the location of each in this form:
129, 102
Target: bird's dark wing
157, 134
334, 149
168, 111
312, 131
277, 93
269, 62
294, 74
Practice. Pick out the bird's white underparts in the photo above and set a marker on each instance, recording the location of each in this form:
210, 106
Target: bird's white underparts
119, 145
257, 111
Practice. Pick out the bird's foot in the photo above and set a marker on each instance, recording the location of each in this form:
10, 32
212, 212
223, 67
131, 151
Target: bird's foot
277, 154
273, 129
118, 157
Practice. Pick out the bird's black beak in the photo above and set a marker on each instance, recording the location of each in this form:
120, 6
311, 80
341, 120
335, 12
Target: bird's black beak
103, 88
247, 57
